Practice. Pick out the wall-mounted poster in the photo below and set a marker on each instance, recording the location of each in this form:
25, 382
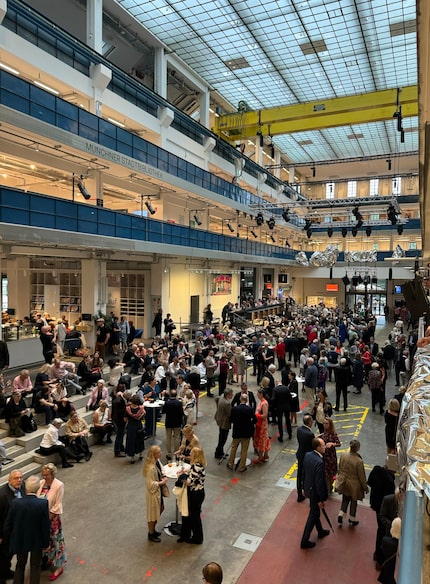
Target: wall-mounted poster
221, 284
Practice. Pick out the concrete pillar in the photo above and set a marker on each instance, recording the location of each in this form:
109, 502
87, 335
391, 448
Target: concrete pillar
204, 108
94, 291
95, 25
277, 171
19, 285
258, 156
160, 72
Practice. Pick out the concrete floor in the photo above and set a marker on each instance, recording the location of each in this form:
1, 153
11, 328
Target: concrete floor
105, 518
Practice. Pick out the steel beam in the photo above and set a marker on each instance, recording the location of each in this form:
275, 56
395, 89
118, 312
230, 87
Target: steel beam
342, 111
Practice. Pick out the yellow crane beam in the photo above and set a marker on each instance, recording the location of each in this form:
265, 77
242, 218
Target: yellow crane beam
317, 115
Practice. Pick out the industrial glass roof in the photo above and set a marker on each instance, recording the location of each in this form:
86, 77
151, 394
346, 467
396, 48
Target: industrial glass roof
271, 53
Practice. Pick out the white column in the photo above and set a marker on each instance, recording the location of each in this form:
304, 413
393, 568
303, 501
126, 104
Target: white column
258, 156
95, 25
19, 285
204, 108
94, 291
277, 171
160, 72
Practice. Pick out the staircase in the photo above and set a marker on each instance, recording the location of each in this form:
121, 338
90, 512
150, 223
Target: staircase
22, 450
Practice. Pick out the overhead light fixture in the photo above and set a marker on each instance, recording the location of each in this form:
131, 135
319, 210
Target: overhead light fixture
286, 215
46, 87
9, 69
197, 219
368, 231
253, 234
273, 239
259, 218
392, 215
271, 223
83, 189
389, 164
314, 171
309, 233
330, 231
116, 122
150, 207
230, 226
354, 231
344, 231
400, 229
307, 225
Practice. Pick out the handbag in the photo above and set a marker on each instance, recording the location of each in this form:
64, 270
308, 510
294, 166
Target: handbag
165, 491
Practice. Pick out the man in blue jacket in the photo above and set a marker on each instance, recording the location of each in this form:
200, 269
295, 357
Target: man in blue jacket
316, 490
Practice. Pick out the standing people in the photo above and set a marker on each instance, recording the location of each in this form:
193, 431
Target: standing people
47, 340
315, 487
212, 573
261, 434
391, 421
28, 528
210, 366
103, 336
332, 442
311, 381
14, 488
351, 482
52, 489
155, 481
169, 326
376, 387
282, 402
172, 408
157, 322
134, 416
343, 378
304, 438
119, 403
293, 388
123, 334
192, 529
4, 355
222, 418
243, 419
381, 482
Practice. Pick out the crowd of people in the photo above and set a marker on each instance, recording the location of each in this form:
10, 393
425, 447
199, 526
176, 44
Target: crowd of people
321, 344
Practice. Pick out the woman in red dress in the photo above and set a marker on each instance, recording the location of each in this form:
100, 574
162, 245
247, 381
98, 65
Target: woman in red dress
261, 434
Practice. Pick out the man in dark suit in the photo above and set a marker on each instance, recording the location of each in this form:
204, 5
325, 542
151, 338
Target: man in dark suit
243, 419
315, 486
282, 403
28, 528
304, 438
373, 347
14, 488
250, 395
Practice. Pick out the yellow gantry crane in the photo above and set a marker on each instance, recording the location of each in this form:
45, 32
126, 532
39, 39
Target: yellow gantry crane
341, 111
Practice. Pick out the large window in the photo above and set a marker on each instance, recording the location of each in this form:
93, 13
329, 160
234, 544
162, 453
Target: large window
352, 188
374, 187
329, 190
396, 185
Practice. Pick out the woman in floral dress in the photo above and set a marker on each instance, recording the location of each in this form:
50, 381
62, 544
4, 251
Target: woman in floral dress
332, 442
261, 434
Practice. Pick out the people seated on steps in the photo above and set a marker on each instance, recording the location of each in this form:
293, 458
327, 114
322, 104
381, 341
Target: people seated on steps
64, 371
51, 444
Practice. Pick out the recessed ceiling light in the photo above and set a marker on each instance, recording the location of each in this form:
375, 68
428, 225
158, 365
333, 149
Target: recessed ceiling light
46, 87
9, 69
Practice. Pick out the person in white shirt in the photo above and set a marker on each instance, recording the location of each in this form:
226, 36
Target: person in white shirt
51, 443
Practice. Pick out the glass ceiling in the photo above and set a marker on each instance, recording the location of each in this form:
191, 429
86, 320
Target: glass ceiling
270, 53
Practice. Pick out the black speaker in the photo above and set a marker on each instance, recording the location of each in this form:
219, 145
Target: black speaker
355, 281
346, 280
390, 274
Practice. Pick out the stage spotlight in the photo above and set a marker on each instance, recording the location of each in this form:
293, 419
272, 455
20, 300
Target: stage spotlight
368, 231
330, 231
271, 223
286, 215
259, 218
307, 225
197, 219
392, 215
150, 207
309, 233
253, 234
346, 280
400, 229
83, 189
231, 228
344, 231
273, 239
354, 231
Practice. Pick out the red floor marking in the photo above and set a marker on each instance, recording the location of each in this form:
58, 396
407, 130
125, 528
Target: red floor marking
234, 481
170, 552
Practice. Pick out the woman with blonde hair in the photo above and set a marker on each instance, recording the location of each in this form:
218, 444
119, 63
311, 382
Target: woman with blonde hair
192, 529
155, 484
189, 441
54, 557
